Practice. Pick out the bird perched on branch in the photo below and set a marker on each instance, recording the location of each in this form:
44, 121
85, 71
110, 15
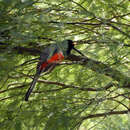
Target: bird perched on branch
49, 58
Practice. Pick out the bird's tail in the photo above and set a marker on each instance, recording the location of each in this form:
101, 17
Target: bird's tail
31, 87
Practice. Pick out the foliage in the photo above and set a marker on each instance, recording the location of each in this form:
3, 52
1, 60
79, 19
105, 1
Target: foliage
82, 93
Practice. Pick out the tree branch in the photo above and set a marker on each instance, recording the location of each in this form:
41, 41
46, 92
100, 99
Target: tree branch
20, 50
70, 86
104, 114
96, 66
76, 23
119, 30
102, 68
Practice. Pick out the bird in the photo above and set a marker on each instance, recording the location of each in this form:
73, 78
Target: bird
49, 58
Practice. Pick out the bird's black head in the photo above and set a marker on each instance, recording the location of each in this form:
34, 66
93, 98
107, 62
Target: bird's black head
70, 46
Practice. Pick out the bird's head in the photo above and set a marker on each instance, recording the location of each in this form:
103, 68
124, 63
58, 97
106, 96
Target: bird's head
71, 45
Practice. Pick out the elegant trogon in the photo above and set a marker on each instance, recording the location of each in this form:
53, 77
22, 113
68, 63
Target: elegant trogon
49, 58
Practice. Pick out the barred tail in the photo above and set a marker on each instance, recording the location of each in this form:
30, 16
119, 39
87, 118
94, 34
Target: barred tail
31, 87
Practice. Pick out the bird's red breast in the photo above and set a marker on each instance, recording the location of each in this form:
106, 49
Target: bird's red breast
57, 57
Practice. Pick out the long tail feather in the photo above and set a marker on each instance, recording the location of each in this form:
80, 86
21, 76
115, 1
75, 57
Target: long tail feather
31, 87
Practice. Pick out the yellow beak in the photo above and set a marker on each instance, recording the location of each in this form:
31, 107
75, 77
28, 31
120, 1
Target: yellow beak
74, 43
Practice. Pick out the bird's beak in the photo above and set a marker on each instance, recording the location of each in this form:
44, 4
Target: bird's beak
74, 43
